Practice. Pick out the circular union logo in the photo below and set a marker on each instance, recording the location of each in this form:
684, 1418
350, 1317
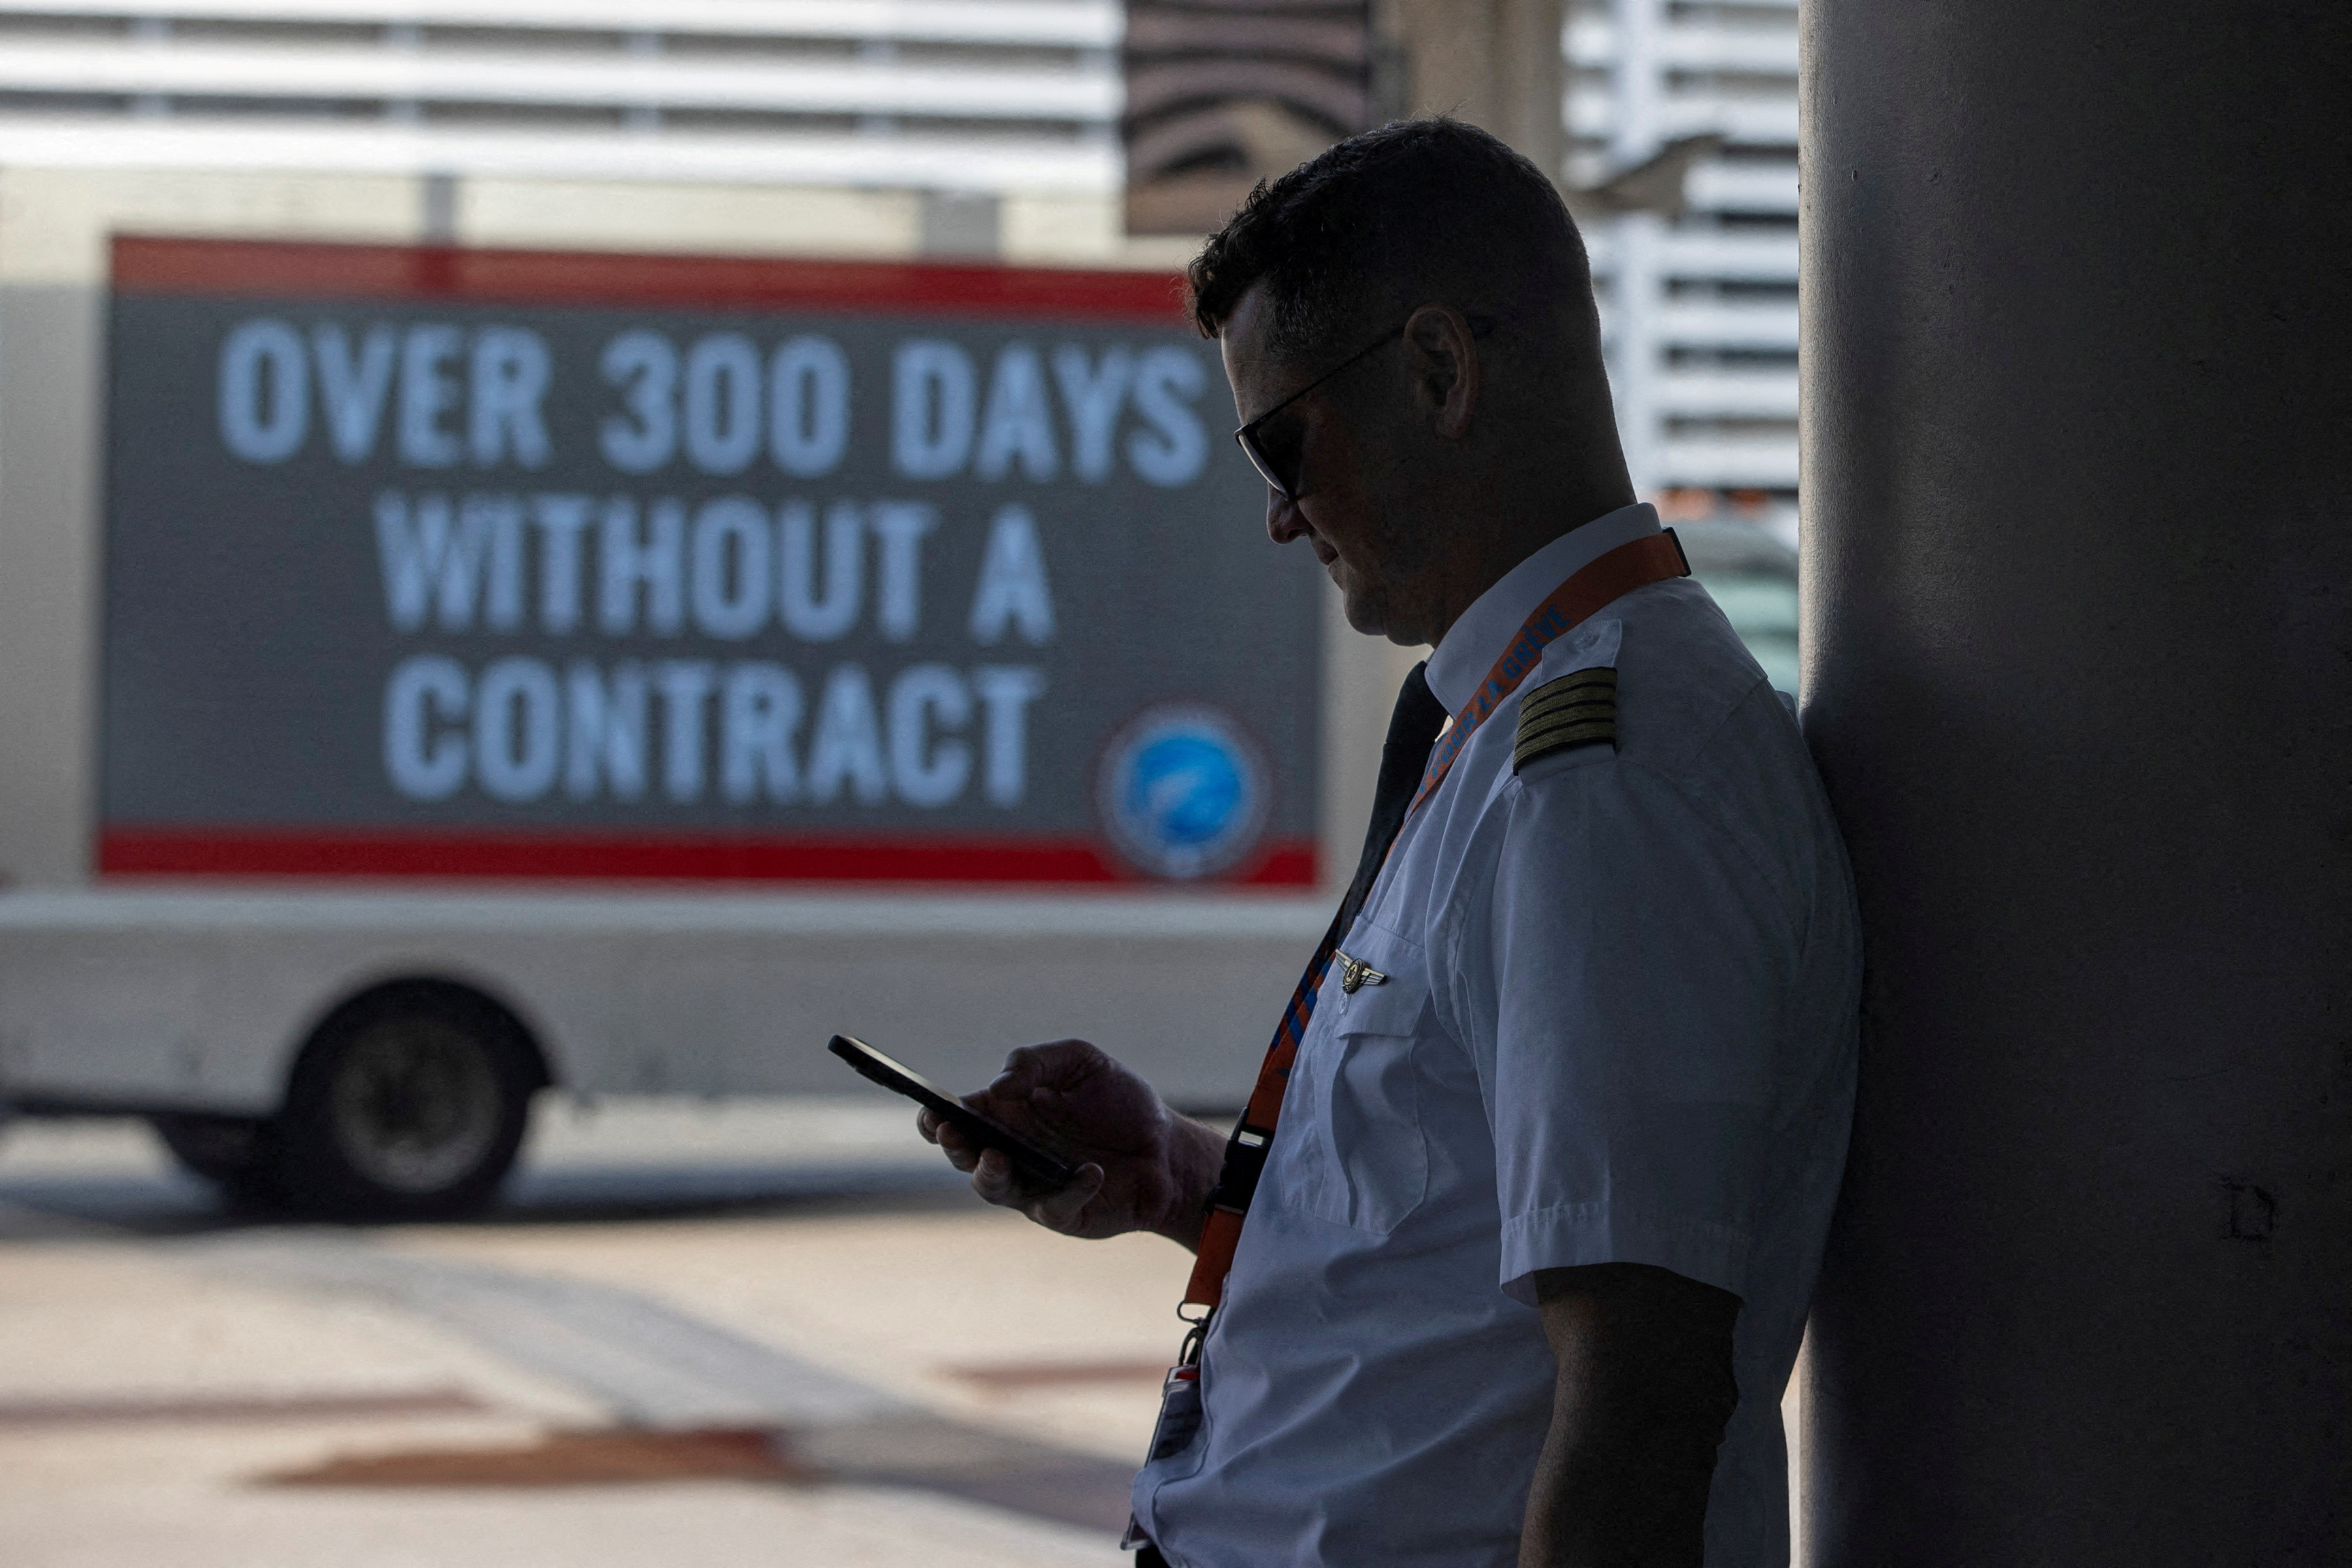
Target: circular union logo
1182, 791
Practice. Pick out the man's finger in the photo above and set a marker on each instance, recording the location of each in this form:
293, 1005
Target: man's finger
1029, 1066
956, 1147
991, 1178
1020, 1072
927, 1122
1061, 1210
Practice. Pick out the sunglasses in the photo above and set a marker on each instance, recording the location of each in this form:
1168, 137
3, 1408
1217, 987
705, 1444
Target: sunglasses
1274, 448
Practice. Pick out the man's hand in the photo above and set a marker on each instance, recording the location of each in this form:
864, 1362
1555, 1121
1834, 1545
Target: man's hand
1645, 1388
1145, 1167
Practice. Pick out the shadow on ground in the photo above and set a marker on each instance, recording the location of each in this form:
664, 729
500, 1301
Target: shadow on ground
172, 1203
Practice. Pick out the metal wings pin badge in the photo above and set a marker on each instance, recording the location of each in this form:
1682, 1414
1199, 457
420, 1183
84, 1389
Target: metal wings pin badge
1355, 973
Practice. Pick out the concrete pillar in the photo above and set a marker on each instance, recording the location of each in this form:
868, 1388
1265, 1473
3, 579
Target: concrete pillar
2078, 571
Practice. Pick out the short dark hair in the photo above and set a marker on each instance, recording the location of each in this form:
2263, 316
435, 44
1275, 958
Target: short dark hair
1420, 211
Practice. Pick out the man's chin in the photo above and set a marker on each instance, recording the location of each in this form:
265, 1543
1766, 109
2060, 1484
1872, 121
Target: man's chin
1367, 612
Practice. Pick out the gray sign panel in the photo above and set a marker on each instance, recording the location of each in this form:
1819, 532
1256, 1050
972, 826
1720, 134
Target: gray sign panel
443, 583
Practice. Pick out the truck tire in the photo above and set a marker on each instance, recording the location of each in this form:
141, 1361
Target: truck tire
408, 1103
227, 1151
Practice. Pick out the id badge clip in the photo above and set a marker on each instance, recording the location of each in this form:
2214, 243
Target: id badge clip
1180, 1412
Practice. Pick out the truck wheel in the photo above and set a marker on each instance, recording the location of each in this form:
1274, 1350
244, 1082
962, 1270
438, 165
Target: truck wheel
409, 1103
223, 1150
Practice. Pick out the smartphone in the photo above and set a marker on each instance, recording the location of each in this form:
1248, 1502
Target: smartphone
1038, 1169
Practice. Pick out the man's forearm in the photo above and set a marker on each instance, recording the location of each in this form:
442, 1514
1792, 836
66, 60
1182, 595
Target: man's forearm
1618, 1498
1643, 1392
1569, 1522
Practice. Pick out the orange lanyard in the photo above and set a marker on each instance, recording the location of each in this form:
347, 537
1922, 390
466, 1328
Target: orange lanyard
1651, 559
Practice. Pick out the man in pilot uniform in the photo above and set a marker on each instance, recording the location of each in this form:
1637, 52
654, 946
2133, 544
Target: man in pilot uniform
1537, 1180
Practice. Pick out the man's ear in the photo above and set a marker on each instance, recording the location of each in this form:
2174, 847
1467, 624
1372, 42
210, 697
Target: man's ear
1446, 372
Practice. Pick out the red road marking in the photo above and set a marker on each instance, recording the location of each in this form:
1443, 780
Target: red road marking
235, 1407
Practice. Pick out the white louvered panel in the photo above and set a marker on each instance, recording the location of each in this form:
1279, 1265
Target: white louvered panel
1064, 23
1700, 308
1745, 187
580, 88
542, 79
1745, 49
1731, 462
1728, 394
1726, 255
1741, 50
1732, 257
904, 161
1724, 325
1745, 117
1704, 325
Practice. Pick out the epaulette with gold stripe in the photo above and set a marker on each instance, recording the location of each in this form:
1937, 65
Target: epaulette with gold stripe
1579, 709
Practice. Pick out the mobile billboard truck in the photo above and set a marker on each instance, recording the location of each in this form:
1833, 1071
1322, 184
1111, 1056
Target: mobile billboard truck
619, 673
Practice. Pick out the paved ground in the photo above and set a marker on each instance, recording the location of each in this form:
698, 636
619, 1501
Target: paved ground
970, 1390
749, 1334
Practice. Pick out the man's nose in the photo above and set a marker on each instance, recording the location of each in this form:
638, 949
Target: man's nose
1283, 522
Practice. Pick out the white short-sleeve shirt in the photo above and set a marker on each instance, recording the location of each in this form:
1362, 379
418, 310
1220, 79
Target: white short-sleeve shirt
1619, 1025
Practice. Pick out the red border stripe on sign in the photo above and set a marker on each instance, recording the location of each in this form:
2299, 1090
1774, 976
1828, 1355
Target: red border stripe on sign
250, 852
274, 269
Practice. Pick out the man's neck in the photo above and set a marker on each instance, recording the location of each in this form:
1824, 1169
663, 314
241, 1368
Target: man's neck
1507, 547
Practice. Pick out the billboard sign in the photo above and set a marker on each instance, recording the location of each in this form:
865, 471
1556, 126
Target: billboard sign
447, 563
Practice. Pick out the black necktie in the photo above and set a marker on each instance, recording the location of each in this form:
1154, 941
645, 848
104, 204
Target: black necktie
1413, 730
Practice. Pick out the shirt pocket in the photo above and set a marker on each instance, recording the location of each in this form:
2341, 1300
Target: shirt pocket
1362, 1161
